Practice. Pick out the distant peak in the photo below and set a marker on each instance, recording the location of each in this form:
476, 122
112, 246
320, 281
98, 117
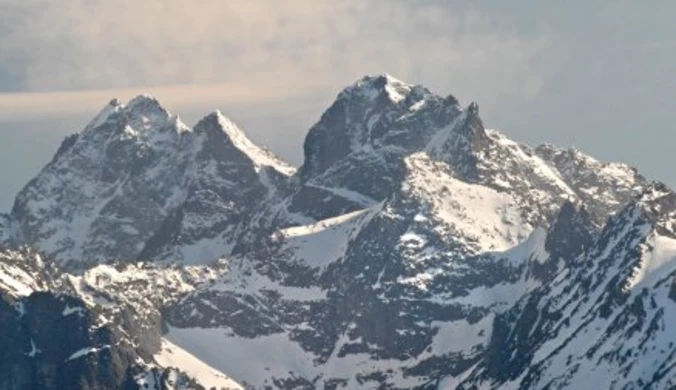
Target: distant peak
219, 128
146, 103
473, 108
108, 111
142, 113
385, 79
655, 192
216, 119
143, 99
371, 87
144, 110
220, 116
218, 125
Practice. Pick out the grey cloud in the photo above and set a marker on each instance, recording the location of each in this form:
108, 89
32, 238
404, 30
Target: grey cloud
82, 44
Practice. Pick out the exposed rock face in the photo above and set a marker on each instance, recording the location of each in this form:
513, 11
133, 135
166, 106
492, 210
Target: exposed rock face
377, 118
138, 183
52, 342
413, 249
229, 177
107, 189
591, 179
100, 330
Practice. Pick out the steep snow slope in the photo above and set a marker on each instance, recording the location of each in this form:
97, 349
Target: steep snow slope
23, 272
319, 244
605, 320
481, 217
172, 356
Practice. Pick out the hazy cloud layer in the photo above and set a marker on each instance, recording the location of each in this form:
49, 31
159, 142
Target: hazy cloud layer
83, 44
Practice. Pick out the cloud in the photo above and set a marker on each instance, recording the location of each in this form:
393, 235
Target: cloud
95, 44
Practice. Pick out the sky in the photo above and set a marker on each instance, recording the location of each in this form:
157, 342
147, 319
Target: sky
594, 75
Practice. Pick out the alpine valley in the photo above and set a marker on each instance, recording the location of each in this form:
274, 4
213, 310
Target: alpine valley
413, 249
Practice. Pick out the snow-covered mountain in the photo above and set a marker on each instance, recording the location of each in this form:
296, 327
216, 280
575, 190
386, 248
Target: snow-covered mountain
138, 183
412, 249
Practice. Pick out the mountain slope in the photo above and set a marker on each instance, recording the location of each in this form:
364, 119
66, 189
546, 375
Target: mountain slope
605, 320
98, 330
136, 182
382, 287
413, 249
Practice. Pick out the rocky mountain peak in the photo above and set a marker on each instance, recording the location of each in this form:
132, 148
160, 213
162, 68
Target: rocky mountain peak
215, 122
376, 113
657, 206
146, 105
371, 88
134, 169
217, 129
215, 126
144, 113
473, 108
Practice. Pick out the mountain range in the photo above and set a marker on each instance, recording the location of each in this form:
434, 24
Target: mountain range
413, 248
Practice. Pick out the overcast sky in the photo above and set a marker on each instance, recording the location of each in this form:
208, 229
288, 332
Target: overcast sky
590, 74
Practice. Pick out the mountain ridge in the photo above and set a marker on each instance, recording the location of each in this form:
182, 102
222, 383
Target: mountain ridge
413, 248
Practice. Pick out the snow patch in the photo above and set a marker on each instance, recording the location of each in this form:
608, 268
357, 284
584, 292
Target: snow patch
657, 261
13, 285
322, 243
480, 217
171, 355
72, 310
249, 360
34, 350
461, 336
86, 351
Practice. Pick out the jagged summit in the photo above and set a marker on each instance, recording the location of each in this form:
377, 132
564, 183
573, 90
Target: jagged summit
473, 108
142, 114
216, 125
657, 206
143, 99
111, 189
386, 88
375, 113
360, 144
383, 86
